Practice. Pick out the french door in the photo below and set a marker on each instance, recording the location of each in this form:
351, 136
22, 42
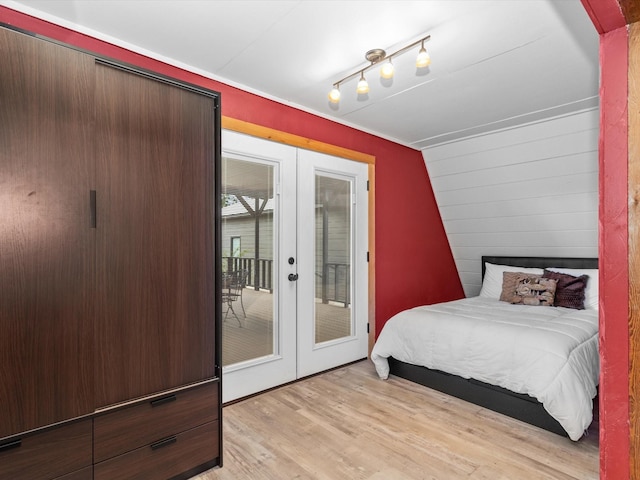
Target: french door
294, 229
332, 305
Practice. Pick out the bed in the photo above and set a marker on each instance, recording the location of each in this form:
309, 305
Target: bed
539, 364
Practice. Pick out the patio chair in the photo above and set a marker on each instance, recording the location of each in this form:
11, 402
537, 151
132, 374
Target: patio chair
232, 285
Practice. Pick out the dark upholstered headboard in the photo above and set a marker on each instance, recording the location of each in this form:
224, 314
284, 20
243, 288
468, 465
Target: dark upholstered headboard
541, 262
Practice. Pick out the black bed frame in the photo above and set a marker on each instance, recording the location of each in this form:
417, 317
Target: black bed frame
516, 405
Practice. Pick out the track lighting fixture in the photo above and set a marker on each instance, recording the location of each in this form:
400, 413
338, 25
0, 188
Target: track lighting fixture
387, 70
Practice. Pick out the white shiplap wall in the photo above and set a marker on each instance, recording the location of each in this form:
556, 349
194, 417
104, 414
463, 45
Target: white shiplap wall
530, 190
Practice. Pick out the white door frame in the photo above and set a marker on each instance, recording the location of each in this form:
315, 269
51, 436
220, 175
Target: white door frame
246, 378
316, 357
253, 376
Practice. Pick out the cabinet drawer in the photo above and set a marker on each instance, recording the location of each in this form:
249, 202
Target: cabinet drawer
165, 458
47, 454
140, 424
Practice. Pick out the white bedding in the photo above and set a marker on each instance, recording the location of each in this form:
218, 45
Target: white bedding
550, 353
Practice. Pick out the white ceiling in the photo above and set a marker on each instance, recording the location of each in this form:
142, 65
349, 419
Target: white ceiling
495, 63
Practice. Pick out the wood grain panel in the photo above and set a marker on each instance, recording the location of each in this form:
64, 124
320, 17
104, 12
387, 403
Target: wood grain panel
48, 454
174, 456
46, 243
131, 427
267, 133
631, 10
84, 474
634, 250
155, 236
372, 257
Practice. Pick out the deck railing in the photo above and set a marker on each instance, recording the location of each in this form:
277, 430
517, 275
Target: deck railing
333, 284
260, 272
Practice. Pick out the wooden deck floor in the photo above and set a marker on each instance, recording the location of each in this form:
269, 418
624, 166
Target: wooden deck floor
249, 337
348, 424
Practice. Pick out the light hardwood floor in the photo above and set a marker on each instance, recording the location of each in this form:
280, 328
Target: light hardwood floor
348, 424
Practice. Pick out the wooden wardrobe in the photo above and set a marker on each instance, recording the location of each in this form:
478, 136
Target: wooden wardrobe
109, 317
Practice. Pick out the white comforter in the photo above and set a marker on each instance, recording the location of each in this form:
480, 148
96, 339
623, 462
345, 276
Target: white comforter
550, 353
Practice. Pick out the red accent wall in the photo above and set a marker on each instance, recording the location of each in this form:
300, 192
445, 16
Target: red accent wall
414, 264
609, 21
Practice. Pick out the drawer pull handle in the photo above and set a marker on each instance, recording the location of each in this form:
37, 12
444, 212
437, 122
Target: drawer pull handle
11, 444
163, 400
92, 208
164, 443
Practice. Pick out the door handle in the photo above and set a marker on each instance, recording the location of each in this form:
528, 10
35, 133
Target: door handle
14, 443
163, 400
293, 277
164, 443
92, 208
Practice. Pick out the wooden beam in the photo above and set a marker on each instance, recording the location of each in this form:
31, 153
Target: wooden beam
606, 15
372, 256
614, 259
634, 248
294, 140
631, 10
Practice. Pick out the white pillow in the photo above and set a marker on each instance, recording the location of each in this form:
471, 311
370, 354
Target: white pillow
592, 291
492, 282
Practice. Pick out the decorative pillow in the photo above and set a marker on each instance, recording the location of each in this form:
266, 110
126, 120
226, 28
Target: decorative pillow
534, 290
509, 284
592, 291
492, 282
570, 290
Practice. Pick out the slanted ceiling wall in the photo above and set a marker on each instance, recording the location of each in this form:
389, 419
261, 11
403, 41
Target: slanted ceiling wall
531, 190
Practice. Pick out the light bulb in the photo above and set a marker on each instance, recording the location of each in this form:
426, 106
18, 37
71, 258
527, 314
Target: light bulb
334, 95
387, 70
423, 59
363, 86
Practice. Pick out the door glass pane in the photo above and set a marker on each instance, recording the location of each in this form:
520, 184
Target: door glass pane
333, 259
248, 287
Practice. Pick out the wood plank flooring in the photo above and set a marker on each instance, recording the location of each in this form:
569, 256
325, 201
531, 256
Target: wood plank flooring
348, 424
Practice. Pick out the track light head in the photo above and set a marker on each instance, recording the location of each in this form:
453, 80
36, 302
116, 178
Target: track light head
386, 71
423, 59
363, 86
334, 94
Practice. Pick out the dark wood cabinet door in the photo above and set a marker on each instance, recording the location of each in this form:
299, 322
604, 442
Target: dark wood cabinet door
46, 240
155, 235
